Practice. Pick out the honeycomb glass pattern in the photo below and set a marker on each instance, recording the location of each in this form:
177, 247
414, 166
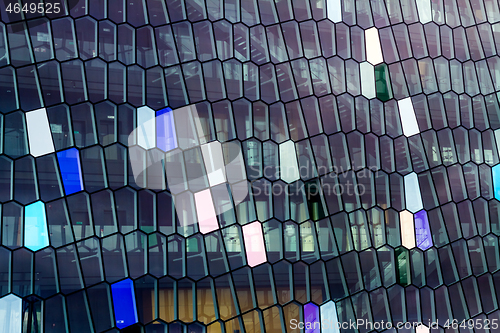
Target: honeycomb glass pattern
245, 166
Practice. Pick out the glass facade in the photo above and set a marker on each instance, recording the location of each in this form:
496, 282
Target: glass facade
244, 166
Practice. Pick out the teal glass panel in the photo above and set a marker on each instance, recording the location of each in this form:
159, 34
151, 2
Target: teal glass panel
36, 235
496, 180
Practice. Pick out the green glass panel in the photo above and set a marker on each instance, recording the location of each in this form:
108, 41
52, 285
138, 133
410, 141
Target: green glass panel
383, 83
403, 266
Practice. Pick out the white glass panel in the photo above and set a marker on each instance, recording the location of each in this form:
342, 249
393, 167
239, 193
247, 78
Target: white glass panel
288, 162
10, 314
334, 10
408, 118
214, 162
146, 128
39, 135
329, 318
424, 11
373, 48
407, 229
412, 193
367, 80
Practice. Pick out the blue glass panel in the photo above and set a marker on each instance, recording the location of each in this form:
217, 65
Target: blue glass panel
422, 230
496, 180
71, 171
36, 235
311, 316
165, 130
124, 303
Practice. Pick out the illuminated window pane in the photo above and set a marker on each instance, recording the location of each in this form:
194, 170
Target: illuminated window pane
311, 318
422, 230
288, 162
146, 129
166, 138
412, 193
39, 134
71, 171
408, 118
207, 220
407, 229
329, 315
36, 235
254, 244
496, 181
334, 8
124, 303
373, 48
10, 314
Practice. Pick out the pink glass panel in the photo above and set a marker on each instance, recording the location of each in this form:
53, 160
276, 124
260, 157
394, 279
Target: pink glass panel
207, 219
254, 244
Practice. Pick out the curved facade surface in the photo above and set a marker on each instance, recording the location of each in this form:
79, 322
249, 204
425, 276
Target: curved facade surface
249, 166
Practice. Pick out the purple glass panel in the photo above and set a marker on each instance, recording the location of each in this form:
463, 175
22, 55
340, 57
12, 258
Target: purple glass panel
311, 318
422, 230
165, 130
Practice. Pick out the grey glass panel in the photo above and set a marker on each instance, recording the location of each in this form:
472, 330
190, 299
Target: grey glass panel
251, 81
242, 42
269, 86
49, 183
19, 46
298, 130
64, 39
25, 180
223, 39
42, 43
259, 51
155, 88
278, 123
3, 46
95, 71
22, 270
343, 40
117, 82
157, 12
114, 264
276, 44
402, 40
29, 91
286, 82
486, 37
75, 89
49, 74
136, 85
12, 225
302, 77
70, 278
93, 168
213, 75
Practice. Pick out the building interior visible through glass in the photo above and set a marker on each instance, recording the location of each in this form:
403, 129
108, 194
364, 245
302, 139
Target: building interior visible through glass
245, 166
